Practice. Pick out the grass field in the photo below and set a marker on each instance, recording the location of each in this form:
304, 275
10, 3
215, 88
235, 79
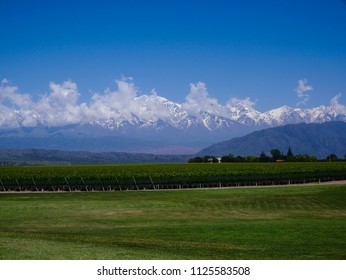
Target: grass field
261, 223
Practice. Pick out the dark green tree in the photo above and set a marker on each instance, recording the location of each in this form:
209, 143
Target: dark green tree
195, 160
228, 158
276, 154
289, 152
251, 159
264, 158
332, 157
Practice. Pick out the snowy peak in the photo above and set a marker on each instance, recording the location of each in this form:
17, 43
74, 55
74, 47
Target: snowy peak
58, 119
125, 108
284, 115
155, 112
288, 115
245, 115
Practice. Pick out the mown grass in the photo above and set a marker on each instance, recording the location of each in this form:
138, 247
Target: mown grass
262, 223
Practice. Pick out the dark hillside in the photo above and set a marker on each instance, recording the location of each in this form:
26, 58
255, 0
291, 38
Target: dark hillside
314, 139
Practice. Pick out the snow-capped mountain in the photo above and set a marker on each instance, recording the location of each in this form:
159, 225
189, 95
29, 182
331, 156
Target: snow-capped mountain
161, 113
160, 125
124, 121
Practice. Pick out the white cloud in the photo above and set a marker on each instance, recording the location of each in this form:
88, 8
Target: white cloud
15, 107
61, 106
243, 102
64, 94
125, 102
198, 100
4, 81
339, 108
9, 94
114, 103
301, 91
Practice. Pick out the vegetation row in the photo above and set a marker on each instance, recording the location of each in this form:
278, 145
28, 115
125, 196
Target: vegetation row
275, 155
158, 176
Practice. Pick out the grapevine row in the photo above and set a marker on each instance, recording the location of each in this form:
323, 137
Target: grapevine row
156, 176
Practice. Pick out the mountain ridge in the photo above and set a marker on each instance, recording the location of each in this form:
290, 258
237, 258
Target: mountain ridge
146, 123
320, 140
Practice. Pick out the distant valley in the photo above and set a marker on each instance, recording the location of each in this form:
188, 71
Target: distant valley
319, 140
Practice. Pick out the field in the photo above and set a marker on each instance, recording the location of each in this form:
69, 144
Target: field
292, 222
158, 176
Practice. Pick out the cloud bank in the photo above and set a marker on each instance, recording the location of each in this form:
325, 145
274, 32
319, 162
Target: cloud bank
339, 108
198, 98
61, 106
301, 91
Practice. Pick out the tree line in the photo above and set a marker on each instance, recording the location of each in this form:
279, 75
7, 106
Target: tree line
275, 156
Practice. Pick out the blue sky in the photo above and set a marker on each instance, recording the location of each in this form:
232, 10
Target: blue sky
255, 49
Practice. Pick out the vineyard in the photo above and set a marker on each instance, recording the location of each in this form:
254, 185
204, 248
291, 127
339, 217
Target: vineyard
165, 176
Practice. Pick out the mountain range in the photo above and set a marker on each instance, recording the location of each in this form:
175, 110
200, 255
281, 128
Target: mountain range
320, 140
155, 125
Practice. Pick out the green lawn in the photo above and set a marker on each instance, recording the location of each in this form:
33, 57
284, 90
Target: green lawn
265, 223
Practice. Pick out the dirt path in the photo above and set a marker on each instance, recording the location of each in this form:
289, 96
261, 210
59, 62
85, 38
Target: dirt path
341, 182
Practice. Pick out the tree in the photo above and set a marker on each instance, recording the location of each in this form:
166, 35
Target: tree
290, 155
195, 160
276, 154
305, 158
251, 159
332, 157
228, 158
210, 159
239, 159
263, 158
